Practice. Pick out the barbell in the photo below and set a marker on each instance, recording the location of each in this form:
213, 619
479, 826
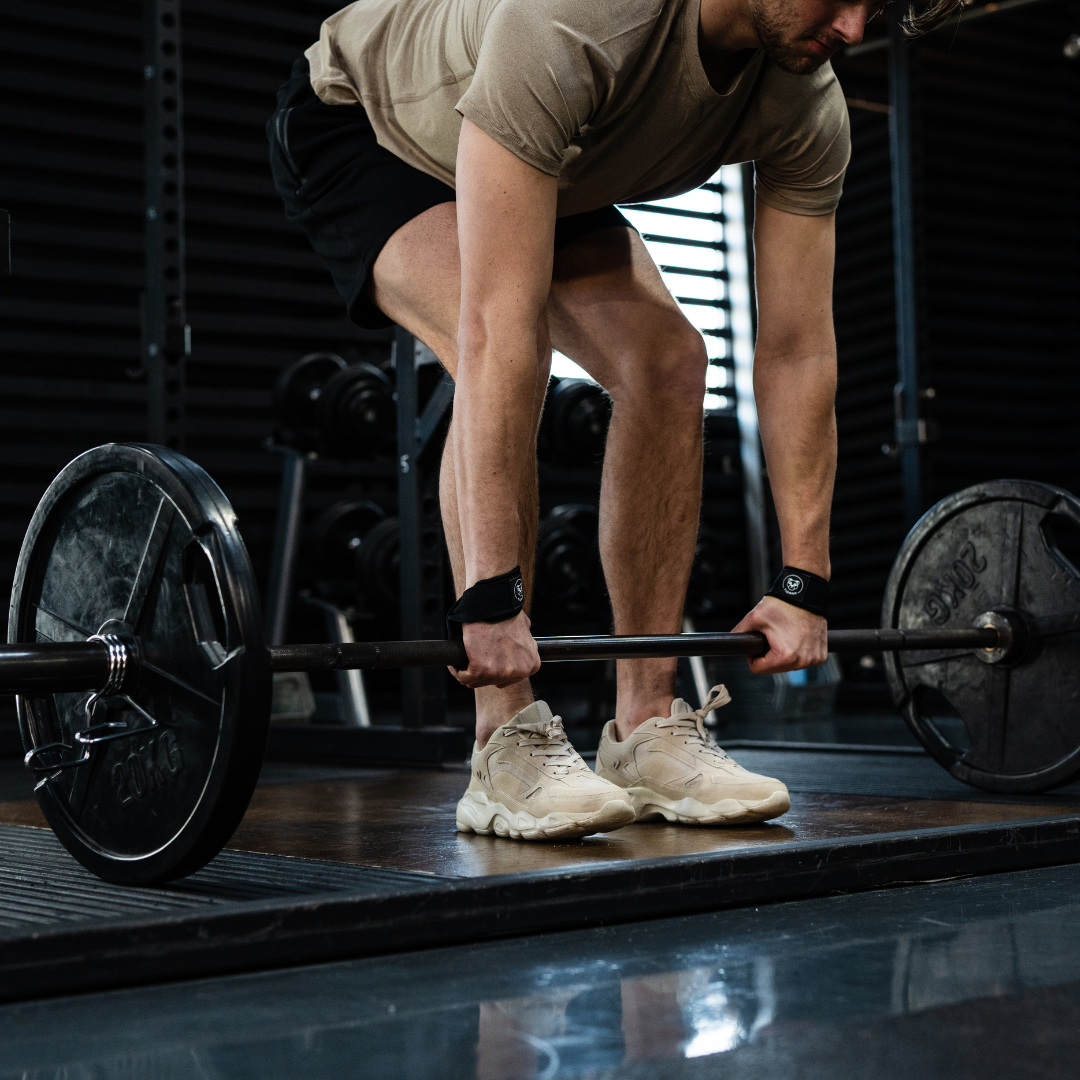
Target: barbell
135, 648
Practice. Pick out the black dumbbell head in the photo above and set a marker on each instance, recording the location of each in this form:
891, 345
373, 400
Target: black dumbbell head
706, 576
377, 567
356, 411
336, 536
298, 388
577, 415
568, 572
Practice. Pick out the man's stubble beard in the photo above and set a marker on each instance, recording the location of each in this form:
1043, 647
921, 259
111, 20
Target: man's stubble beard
778, 36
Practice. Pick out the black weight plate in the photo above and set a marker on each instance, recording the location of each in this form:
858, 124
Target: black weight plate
1000, 544
137, 539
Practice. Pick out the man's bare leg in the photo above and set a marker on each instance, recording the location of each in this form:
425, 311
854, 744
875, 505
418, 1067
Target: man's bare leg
611, 312
416, 281
622, 325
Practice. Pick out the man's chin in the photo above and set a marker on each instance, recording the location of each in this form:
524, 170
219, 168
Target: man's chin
794, 62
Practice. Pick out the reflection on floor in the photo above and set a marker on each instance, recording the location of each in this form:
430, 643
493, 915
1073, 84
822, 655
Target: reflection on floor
973, 978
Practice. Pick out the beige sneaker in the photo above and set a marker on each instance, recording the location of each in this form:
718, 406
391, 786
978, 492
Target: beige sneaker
672, 769
529, 783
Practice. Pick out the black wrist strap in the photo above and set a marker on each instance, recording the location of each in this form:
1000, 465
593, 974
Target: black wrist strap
803, 589
491, 600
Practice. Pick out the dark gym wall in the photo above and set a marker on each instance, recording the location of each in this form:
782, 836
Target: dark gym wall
71, 174
71, 169
1000, 115
996, 165
867, 523
71, 135
257, 295
997, 263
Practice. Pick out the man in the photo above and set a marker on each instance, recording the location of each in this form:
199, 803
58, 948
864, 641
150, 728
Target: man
455, 164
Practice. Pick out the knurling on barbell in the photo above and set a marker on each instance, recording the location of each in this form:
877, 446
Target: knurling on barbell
144, 686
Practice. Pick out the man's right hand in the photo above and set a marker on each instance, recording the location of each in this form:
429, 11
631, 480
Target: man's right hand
500, 654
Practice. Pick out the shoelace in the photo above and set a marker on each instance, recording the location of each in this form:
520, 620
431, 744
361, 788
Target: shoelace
691, 726
549, 741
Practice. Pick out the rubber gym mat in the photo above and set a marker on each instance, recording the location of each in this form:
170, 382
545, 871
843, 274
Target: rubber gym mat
904, 775
90, 936
40, 884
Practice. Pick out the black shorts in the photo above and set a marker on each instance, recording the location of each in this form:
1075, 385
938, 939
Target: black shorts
351, 195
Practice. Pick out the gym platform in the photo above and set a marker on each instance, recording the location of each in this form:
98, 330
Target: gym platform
333, 862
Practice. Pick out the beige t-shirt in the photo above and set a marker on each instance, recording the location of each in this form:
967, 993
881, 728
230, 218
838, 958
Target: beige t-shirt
607, 95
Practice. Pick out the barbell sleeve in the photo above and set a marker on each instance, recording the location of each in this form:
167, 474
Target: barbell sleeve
54, 667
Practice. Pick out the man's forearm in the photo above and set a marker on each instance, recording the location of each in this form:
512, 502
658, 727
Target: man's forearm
795, 377
506, 224
795, 400
494, 445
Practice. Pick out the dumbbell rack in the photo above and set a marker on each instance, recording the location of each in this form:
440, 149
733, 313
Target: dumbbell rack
422, 737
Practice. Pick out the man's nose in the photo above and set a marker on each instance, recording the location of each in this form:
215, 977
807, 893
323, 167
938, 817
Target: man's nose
850, 23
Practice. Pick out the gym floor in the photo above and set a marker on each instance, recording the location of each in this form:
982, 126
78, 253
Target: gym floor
930, 981
920, 980
403, 819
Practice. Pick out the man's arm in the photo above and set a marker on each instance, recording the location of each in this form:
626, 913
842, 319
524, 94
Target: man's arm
506, 226
795, 387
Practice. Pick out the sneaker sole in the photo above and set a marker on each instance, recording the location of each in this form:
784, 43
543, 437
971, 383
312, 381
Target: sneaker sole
477, 814
650, 805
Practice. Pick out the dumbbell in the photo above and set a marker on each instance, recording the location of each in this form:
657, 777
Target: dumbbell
575, 423
296, 396
356, 412
569, 577
336, 536
376, 568
354, 545
346, 410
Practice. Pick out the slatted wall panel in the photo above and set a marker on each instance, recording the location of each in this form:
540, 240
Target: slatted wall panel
258, 297
1000, 116
687, 237
867, 526
71, 176
997, 167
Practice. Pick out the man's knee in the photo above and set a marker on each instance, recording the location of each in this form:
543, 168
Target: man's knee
665, 373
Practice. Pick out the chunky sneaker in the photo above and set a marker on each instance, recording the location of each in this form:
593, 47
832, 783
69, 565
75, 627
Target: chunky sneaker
672, 769
529, 783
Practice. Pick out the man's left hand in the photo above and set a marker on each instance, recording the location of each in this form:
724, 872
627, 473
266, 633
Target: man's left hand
797, 638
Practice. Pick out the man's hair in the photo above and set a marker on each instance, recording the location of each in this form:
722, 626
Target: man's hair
919, 20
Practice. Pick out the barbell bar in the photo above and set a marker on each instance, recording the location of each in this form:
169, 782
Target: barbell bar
74, 666
143, 682
563, 649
